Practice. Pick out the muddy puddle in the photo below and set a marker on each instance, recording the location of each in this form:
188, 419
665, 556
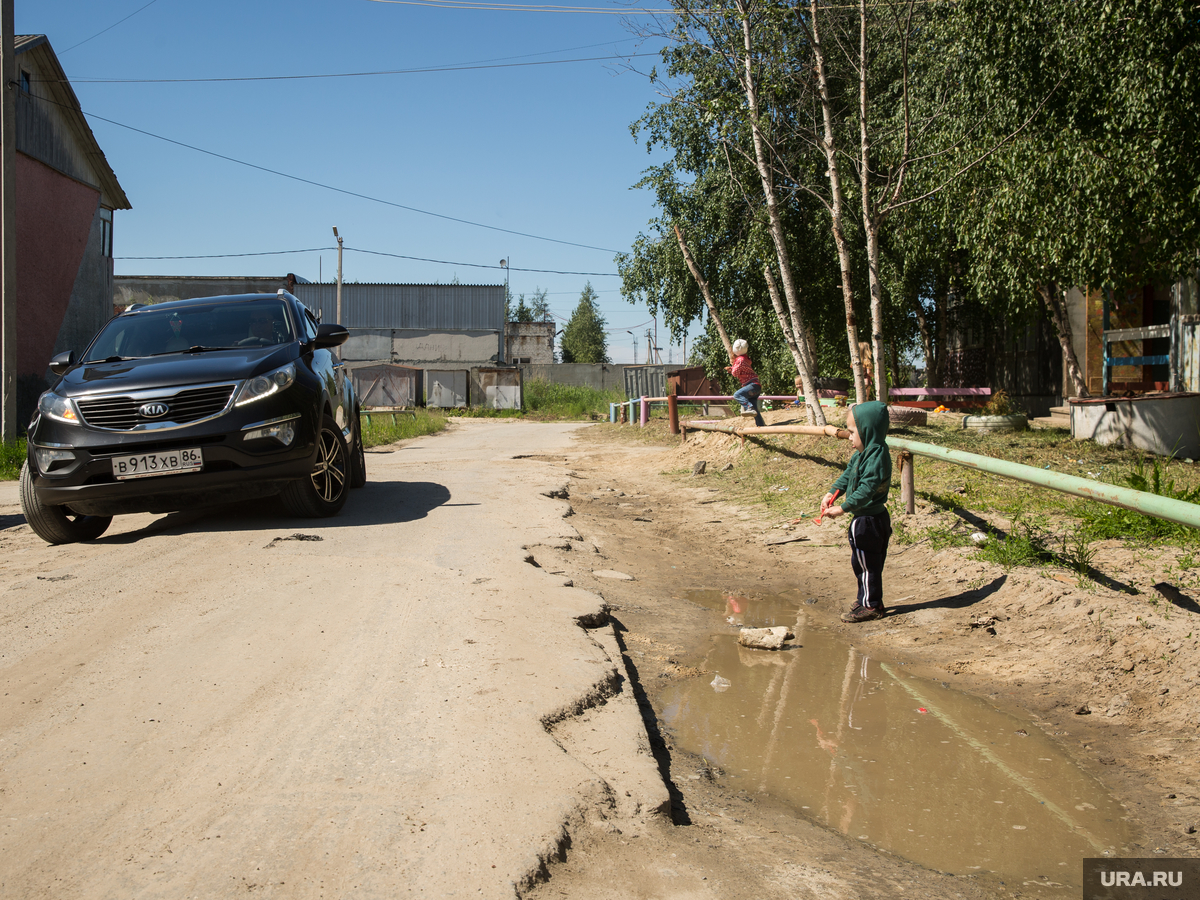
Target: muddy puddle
908, 765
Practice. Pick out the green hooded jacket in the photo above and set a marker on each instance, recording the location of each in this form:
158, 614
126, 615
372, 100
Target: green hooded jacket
864, 484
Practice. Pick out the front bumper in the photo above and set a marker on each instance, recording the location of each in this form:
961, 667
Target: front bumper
234, 468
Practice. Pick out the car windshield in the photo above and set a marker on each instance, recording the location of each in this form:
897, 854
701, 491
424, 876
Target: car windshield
193, 328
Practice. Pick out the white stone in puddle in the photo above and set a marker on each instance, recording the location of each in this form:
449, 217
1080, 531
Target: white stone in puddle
763, 638
613, 574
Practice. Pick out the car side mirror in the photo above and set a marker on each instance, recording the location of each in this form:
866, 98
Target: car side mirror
331, 336
62, 362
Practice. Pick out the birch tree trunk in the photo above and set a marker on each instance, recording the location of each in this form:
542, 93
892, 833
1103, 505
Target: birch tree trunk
1062, 324
795, 332
704, 291
766, 176
836, 208
870, 218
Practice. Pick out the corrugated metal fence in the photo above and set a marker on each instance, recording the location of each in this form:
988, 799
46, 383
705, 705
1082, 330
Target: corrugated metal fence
433, 307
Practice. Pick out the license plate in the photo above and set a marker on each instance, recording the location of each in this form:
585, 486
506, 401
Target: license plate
146, 464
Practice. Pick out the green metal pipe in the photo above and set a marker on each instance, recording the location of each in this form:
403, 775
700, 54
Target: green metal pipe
1139, 501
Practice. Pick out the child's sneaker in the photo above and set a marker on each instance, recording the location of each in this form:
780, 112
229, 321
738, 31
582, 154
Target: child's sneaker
748, 412
859, 613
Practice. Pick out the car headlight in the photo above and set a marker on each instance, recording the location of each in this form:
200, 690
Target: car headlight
59, 408
265, 385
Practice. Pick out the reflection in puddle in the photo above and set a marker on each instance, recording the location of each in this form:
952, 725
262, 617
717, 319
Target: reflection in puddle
924, 771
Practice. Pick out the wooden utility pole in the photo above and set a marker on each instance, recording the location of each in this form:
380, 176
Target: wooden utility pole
8, 220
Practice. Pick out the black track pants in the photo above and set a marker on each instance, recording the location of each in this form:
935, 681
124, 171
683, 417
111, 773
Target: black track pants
869, 536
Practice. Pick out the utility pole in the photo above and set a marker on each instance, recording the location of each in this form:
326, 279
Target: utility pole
339, 288
8, 224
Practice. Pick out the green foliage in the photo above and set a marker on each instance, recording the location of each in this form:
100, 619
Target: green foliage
564, 401
999, 405
536, 310
583, 339
1102, 521
12, 455
1024, 546
385, 428
1095, 104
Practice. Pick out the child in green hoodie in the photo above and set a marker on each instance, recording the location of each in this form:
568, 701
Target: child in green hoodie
864, 490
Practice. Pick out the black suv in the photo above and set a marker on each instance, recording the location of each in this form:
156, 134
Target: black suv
191, 403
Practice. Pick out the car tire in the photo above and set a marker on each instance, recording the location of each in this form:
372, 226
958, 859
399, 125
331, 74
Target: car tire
358, 457
57, 524
323, 491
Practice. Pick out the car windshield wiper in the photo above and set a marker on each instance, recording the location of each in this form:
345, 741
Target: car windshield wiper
112, 359
196, 349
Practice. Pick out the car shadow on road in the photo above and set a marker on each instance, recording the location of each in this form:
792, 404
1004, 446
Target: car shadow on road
955, 601
379, 503
10, 521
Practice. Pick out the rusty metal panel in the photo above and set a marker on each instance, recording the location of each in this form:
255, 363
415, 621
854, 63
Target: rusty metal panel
446, 388
497, 388
645, 381
1187, 353
387, 386
693, 382
434, 307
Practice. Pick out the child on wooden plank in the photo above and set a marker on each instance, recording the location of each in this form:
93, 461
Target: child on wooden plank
747, 394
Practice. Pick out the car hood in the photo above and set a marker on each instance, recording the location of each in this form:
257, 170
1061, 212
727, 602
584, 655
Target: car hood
174, 369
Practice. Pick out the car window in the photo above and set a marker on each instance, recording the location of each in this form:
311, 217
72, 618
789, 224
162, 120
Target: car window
309, 325
171, 328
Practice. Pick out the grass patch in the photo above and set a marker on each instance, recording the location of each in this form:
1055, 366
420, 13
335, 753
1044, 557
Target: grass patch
1102, 521
383, 428
1024, 546
12, 455
546, 400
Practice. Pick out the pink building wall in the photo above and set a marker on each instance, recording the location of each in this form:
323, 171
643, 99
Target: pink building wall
54, 219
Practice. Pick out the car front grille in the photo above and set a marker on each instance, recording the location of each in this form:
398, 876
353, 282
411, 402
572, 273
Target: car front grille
119, 412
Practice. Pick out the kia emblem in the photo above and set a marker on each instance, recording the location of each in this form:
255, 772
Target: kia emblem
153, 410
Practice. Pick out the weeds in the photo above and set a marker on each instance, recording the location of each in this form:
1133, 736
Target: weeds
12, 454
940, 537
1102, 521
1078, 554
386, 429
564, 401
1024, 546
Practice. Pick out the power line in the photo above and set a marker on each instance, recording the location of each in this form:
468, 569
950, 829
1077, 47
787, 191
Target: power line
465, 67
109, 28
443, 262
338, 190
526, 7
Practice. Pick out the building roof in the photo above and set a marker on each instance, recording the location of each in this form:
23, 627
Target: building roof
58, 87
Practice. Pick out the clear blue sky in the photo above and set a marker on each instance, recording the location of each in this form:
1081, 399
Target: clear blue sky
544, 150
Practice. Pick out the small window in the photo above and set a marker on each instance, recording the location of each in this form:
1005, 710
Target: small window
106, 232
24, 82
310, 326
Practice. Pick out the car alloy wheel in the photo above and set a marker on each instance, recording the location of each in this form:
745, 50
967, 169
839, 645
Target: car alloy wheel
323, 491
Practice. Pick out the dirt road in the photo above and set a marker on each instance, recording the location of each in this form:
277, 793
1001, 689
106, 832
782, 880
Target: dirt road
207, 705
402, 702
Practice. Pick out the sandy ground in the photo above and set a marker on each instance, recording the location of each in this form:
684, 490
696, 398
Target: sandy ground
1108, 670
198, 706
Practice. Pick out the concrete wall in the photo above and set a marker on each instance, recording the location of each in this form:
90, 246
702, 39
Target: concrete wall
530, 340
601, 376
129, 289
422, 348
